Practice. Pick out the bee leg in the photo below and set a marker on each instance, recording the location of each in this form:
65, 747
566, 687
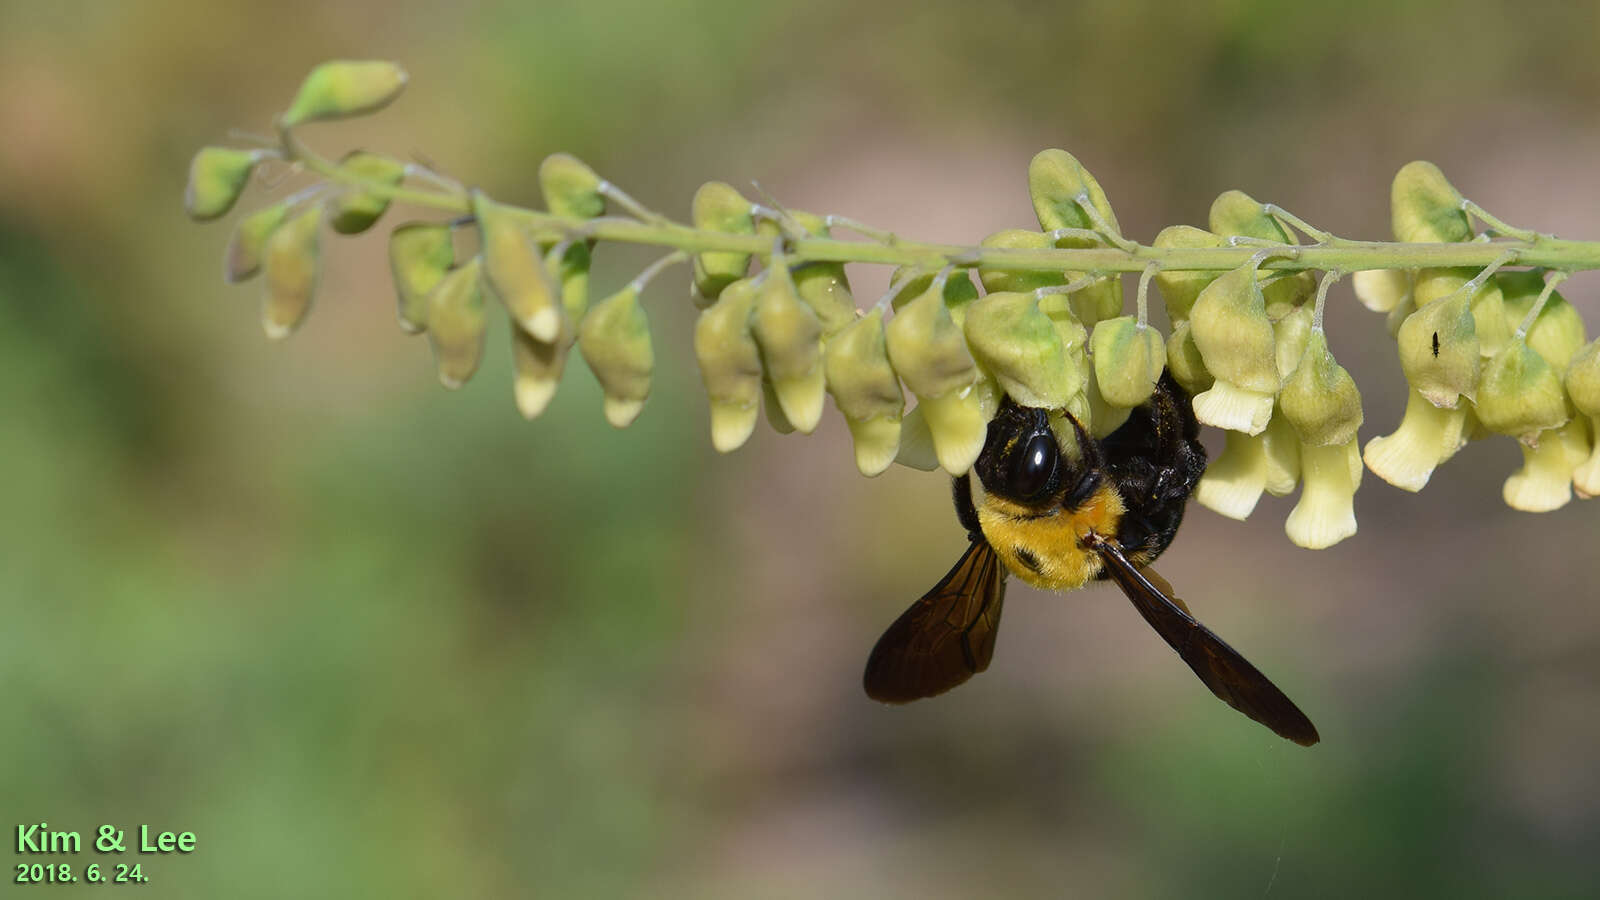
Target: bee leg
966, 510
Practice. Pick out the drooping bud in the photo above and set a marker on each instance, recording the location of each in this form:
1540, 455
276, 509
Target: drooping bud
1056, 181
1236, 340
1320, 399
1426, 436
537, 368
1128, 358
1521, 394
790, 337
515, 270
718, 207
1325, 514
1424, 208
913, 283
1281, 448
1012, 338
1550, 469
997, 281
1235, 213
243, 258
353, 210
1583, 389
344, 88
570, 187
1381, 290
1184, 360
1582, 379
420, 253
1291, 333
865, 387
537, 364
457, 322
614, 338
823, 285
1181, 289
929, 351
1439, 350
1233, 482
916, 443
1103, 418
217, 176
291, 261
1557, 333
730, 364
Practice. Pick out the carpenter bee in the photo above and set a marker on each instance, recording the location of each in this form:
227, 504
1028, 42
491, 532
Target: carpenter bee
1059, 517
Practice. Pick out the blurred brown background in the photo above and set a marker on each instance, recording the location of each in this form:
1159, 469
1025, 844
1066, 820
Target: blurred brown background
369, 638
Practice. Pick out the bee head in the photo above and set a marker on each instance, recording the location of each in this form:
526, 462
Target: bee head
1022, 460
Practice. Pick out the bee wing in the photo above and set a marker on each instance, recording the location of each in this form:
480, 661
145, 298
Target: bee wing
1230, 676
945, 637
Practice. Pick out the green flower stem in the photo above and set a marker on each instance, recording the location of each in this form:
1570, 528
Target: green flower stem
1344, 255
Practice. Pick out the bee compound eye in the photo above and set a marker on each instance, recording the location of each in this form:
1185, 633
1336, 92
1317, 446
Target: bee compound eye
1031, 472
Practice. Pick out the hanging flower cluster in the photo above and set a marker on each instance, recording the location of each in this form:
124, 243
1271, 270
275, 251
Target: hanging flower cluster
1486, 348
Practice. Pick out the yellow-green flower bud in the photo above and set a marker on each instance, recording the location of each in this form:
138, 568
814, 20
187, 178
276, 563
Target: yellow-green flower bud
243, 259
537, 368
730, 364
1281, 447
516, 271
1521, 394
1426, 436
1557, 334
292, 262
1184, 360
959, 422
929, 351
1012, 338
1582, 379
1320, 399
614, 338
1439, 350
1001, 280
1055, 181
916, 442
1586, 476
420, 253
1424, 208
343, 88
1235, 213
1103, 418
867, 392
1381, 290
1181, 289
790, 338
1325, 514
353, 210
538, 364
718, 207
958, 290
1231, 329
570, 187
457, 322
217, 177
1550, 468
927, 348
1291, 333
823, 285
1128, 359
1233, 482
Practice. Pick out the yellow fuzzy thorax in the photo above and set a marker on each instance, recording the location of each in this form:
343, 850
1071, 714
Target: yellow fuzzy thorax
1045, 549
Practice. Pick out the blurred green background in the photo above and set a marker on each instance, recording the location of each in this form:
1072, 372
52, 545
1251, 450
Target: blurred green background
369, 638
